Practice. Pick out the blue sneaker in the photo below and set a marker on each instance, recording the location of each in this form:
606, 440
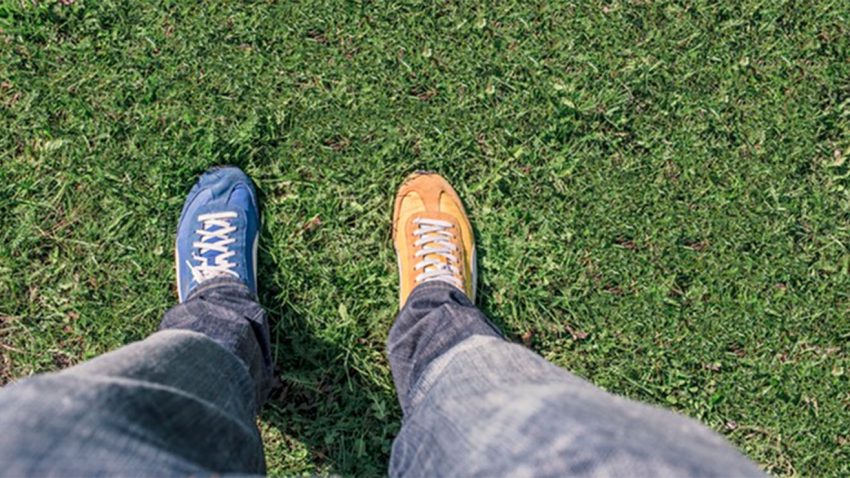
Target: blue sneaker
218, 231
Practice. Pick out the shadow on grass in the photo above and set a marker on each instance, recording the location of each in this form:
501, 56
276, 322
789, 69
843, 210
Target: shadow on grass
345, 418
483, 292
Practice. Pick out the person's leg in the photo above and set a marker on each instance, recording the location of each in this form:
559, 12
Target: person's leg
183, 401
477, 405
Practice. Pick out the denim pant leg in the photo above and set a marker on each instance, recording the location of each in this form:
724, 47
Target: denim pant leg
180, 402
476, 405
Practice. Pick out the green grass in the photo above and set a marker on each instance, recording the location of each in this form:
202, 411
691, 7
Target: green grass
668, 178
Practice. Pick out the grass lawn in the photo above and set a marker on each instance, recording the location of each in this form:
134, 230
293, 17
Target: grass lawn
661, 192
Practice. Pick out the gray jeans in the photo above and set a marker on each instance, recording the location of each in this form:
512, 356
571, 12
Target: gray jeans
184, 401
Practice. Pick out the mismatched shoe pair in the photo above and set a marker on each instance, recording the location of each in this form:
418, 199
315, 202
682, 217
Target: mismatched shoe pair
220, 225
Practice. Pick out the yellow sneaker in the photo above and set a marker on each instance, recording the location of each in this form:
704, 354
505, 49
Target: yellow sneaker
432, 236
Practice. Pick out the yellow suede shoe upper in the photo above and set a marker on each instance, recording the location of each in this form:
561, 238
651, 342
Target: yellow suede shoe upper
432, 236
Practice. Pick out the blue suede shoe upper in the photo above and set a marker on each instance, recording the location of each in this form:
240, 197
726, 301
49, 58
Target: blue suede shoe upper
225, 197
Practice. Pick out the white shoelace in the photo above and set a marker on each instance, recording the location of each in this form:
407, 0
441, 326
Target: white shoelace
205, 270
434, 239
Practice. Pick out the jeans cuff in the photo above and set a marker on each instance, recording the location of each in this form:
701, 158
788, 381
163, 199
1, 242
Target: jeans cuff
224, 282
434, 285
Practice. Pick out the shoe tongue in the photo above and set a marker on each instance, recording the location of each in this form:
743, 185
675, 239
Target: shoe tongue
238, 200
436, 257
211, 255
